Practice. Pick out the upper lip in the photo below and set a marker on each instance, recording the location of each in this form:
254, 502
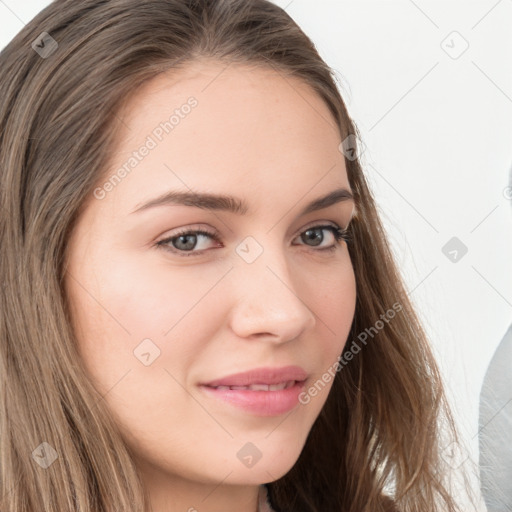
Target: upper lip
261, 376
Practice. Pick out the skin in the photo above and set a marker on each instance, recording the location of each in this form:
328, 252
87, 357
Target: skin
272, 142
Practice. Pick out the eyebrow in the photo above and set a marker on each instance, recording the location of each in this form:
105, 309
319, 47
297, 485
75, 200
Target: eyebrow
235, 205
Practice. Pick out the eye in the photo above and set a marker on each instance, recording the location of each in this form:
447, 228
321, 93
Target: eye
186, 241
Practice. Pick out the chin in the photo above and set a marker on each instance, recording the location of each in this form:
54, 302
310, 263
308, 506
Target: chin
264, 471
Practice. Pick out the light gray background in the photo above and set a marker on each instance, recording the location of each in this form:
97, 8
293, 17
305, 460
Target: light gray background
438, 133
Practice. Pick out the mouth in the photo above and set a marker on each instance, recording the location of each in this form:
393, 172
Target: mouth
257, 399
258, 387
261, 376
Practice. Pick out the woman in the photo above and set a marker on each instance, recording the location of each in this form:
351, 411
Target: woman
200, 308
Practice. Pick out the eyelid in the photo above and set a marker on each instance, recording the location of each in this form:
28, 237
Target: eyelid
339, 232
215, 233
319, 223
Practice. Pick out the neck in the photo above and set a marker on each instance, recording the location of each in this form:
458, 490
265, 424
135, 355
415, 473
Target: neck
169, 493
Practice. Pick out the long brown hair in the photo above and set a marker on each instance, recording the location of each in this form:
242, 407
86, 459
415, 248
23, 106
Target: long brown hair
64, 77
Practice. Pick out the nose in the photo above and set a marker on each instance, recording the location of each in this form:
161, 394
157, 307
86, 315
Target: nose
268, 302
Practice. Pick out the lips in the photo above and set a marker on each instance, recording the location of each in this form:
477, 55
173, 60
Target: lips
261, 391
261, 379
259, 387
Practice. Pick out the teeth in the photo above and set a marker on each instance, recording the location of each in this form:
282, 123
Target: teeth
259, 387
265, 387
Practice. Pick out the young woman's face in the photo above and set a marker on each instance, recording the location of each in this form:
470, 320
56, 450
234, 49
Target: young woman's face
265, 288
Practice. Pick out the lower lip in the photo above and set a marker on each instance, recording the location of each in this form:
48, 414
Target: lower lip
261, 403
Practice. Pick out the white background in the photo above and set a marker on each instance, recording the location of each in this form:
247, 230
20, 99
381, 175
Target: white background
438, 133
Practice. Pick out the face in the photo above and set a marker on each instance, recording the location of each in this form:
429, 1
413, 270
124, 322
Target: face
160, 309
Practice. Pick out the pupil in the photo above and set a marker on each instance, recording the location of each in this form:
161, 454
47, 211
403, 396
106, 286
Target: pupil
317, 238
313, 235
184, 237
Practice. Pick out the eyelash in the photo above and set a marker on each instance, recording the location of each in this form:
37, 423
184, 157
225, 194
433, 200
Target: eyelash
340, 235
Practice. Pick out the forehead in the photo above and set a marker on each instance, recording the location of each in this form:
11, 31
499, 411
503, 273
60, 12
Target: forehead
228, 94
250, 130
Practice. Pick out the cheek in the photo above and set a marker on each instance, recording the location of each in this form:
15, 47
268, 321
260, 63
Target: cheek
133, 334
122, 301
333, 300
179, 316
129, 315
333, 294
